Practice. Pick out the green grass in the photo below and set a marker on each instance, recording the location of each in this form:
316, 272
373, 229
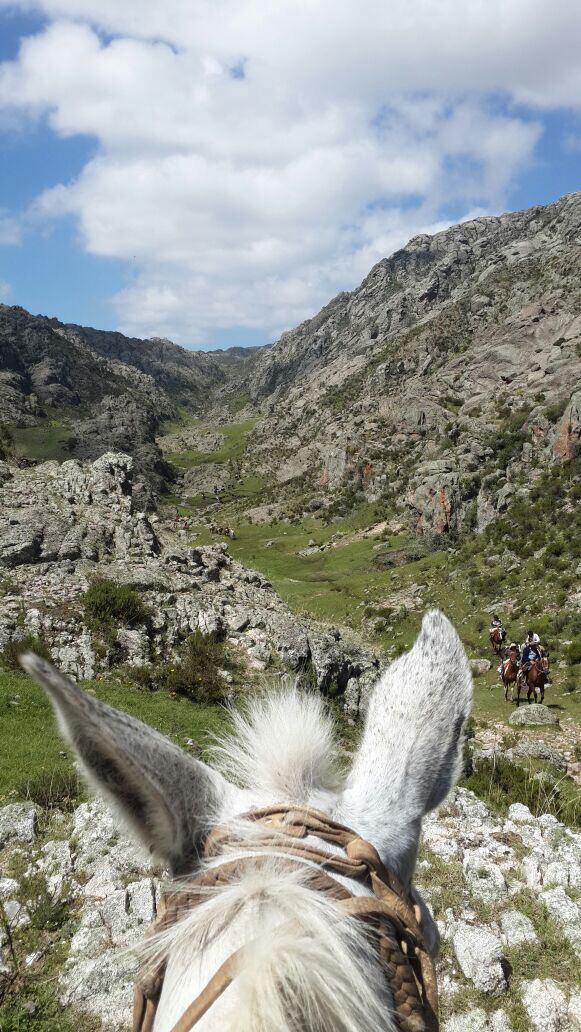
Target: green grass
30, 746
234, 434
345, 585
327, 585
52, 439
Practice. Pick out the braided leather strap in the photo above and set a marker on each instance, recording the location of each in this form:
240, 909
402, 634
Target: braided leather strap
392, 915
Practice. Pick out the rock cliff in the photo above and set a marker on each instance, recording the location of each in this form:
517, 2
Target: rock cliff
455, 364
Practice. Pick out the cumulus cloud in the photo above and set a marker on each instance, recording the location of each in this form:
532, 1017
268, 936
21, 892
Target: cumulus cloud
5, 292
253, 159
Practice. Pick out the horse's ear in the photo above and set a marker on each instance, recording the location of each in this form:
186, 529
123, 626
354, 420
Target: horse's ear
168, 799
411, 751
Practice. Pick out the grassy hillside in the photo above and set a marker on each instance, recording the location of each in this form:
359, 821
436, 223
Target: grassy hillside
32, 753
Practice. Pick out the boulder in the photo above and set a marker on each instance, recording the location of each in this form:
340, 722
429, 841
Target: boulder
18, 823
480, 666
517, 928
483, 877
529, 747
534, 714
545, 1004
567, 443
479, 953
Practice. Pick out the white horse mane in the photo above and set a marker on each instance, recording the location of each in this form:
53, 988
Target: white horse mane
303, 968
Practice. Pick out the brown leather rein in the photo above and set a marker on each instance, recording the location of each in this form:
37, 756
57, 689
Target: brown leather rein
391, 912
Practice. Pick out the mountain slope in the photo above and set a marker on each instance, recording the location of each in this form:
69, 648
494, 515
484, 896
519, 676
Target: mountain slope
425, 382
69, 390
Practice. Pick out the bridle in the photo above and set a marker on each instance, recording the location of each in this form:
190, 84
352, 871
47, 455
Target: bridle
391, 913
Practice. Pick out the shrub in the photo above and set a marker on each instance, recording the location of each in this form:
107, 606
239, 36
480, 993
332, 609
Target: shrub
106, 603
6, 442
9, 656
555, 411
574, 652
196, 673
61, 790
499, 783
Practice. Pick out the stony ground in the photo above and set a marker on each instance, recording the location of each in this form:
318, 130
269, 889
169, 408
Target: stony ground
505, 893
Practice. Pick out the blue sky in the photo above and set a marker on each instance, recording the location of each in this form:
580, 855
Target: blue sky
221, 206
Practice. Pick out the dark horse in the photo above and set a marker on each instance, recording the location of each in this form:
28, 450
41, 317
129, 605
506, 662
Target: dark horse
534, 679
496, 640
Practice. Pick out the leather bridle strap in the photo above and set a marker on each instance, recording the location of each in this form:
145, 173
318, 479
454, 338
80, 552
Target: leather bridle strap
210, 993
355, 906
392, 912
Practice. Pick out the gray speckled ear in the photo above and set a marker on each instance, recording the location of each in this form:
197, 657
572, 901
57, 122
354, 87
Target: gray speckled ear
411, 752
168, 799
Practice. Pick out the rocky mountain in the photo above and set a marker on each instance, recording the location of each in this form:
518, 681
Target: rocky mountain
72, 390
453, 368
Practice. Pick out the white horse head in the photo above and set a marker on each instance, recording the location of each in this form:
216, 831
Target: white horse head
301, 968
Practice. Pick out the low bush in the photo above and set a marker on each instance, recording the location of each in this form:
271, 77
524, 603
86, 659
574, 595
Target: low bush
196, 673
555, 411
61, 790
499, 783
9, 656
573, 653
106, 603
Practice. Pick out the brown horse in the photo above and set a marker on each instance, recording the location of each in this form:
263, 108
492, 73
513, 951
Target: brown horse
534, 679
509, 672
496, 640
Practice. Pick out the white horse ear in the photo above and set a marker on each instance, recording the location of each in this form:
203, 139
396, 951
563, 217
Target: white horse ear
168, 799
411, 751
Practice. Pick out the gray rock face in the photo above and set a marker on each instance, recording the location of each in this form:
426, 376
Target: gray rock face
395, 385
63, 524
545, 1004
478, 1020
529, 747
534, 714
120, 387
66, 512
517, 929
18, 823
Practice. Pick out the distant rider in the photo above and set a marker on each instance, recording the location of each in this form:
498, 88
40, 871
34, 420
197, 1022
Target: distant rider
496, 625
512, 655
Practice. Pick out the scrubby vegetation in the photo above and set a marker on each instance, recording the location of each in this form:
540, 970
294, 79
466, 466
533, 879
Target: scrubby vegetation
16, 647
57, 790
199, 672
107, 603
499, 782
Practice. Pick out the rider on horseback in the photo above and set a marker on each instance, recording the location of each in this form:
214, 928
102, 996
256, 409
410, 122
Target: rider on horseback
496, 624
531, 651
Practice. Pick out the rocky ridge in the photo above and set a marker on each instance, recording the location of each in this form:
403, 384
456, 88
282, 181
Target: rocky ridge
453, 368
61, 525
504, 892
102, 390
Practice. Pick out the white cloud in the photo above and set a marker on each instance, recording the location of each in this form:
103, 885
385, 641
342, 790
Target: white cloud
6, 292
249, 200
9, 229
